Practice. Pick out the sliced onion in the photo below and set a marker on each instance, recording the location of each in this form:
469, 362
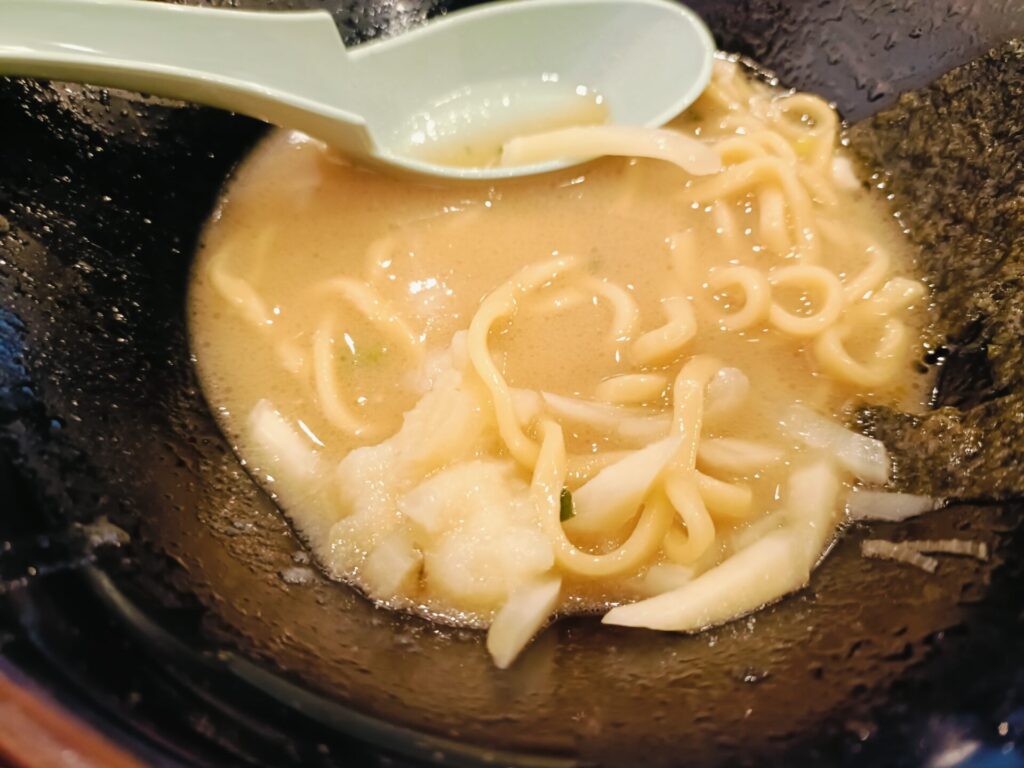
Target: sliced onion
755, 530
662, 577
392, 567
761, 573
613, 495
726, 392
887, 506
692, 155
811, 495
844, 174
583, 466
519, 619
527, 404
864, 456
287, 448
965, 547
631, 423
732, 455
900, 552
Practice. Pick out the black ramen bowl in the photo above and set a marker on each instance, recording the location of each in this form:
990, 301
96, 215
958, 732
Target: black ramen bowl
188, 645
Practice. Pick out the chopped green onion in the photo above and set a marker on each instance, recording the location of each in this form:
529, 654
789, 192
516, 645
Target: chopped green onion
566, 509
363, 356
370, 355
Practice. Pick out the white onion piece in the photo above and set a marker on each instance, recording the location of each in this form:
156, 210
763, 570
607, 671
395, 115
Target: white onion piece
425, 505
810, 499
662, 577
887, 506
439, 363
843, 173
899, 552
864, 456
287, 448
519, 619
726, 392
392, 567
581, 142
583, 466
527, 405
777, 563
630, 423
759, 574
964, 547
460, 350
613, 495
644, 429
811, 494
729, 454
756, 530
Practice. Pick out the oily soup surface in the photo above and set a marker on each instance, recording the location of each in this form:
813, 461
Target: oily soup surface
684, 345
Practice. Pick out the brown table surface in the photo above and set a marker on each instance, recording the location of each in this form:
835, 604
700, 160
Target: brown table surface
37, 732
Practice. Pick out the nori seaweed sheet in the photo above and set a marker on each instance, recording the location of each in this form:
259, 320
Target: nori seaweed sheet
953, 159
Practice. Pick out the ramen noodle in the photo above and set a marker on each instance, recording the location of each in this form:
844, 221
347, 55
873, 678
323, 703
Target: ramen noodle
618, 388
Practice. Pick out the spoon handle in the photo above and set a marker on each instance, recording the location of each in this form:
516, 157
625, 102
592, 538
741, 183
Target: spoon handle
282, 67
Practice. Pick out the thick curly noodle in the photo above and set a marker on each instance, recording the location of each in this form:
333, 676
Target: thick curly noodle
785, 156
783, 153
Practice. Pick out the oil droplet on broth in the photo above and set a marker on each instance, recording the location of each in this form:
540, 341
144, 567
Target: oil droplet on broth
469, 127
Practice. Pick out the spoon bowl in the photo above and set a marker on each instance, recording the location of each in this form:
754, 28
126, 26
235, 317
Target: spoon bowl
493, 71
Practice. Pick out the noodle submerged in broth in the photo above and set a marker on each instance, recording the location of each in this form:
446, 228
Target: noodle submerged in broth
618, 388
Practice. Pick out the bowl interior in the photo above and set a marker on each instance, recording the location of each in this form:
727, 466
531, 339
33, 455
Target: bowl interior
102, 198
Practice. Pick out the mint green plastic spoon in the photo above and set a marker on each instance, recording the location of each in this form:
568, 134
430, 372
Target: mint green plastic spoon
647, 59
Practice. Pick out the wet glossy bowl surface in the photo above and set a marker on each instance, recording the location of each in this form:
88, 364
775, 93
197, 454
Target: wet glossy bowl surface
189, 643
